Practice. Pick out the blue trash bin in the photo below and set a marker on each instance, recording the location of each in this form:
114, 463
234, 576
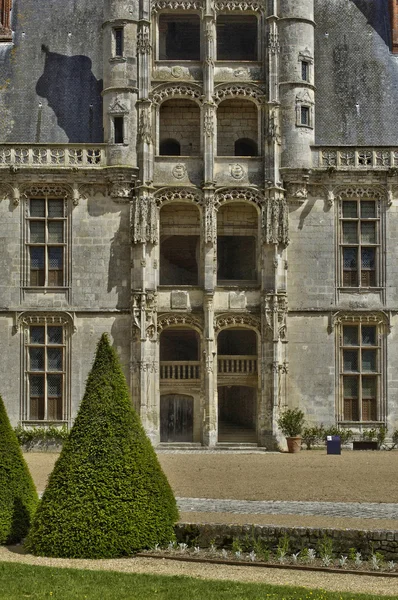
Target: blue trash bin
333, 444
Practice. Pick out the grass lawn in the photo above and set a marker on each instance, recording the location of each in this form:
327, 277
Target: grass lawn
26, 581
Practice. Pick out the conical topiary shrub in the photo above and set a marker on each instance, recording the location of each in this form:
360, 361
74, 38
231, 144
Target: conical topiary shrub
107, 496
18, 496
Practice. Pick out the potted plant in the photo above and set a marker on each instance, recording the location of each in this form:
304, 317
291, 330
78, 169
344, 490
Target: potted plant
291, 423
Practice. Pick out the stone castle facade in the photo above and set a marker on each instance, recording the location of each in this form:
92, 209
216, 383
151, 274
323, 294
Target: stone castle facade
215, 184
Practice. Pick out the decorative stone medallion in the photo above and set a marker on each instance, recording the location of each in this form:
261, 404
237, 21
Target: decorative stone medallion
237, 171
179, 171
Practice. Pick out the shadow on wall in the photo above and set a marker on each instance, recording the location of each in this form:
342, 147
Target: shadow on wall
74, 94
377, 14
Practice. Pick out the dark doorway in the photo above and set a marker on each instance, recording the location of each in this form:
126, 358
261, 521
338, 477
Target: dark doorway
176, 418
237, 414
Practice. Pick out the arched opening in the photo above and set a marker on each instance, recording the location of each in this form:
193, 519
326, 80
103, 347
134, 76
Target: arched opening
246, 147
179, 36
237, 382
179, 123
170, 147
237, 121
236, 243
179, 244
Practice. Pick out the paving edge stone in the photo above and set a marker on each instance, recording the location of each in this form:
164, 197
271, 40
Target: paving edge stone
363, 540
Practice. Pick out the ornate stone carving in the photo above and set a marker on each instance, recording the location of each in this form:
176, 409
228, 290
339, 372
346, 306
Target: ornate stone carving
209, 118
210, 221
176, 5
297, 192
349, 191
273, 42
145, 366
144, 40
238, 90
185, 90
144, 125
179, 171
144, 228
275, 313
280, 368
176, 194
47, 189
247, 194
209, 360
121, 189
143, 311
275, 221
40, 318
241, 5
273, 126
8, 190
170, 320
379, 318
117, 107
236, 320
237, 171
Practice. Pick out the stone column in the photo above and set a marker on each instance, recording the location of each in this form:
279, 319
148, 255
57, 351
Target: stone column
210, 412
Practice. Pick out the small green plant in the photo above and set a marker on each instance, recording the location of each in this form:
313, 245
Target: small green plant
325, 547
369, 435
29, 437
312, 436
261, 549
345, 434
381, 435
283, 546
352, 552
291, 422
236, 546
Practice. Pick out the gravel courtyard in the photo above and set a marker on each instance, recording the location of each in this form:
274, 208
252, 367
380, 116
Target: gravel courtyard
310, 476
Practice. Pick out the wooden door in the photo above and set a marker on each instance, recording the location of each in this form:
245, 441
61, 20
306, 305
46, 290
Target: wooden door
176, 418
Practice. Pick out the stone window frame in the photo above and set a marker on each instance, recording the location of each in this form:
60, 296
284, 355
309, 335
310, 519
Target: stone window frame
24, 322
380, 321
358, 196
46, 193
306, 58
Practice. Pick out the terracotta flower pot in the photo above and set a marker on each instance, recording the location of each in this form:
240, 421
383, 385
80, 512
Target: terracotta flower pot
294, 444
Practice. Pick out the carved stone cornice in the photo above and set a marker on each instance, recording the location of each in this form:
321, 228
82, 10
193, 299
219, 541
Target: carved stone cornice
171, 320
177, 90
28, 318
225, 91
246, 194
176, 194
226, 320
372, 317
158, 5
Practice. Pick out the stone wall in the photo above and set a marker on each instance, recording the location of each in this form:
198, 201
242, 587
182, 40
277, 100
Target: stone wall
362, 540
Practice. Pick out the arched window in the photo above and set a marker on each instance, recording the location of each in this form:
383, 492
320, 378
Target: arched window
170, 147
246, 147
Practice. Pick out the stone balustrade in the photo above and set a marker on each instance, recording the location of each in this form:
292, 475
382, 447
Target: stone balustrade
350, 157
242, 364
179, 370
51, 155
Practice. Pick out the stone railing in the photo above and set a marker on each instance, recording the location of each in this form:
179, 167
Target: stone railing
350, 157
51, 155
180, 370
242, 364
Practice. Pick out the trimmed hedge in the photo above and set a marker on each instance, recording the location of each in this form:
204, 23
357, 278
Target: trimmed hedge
18, 496
107, 496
